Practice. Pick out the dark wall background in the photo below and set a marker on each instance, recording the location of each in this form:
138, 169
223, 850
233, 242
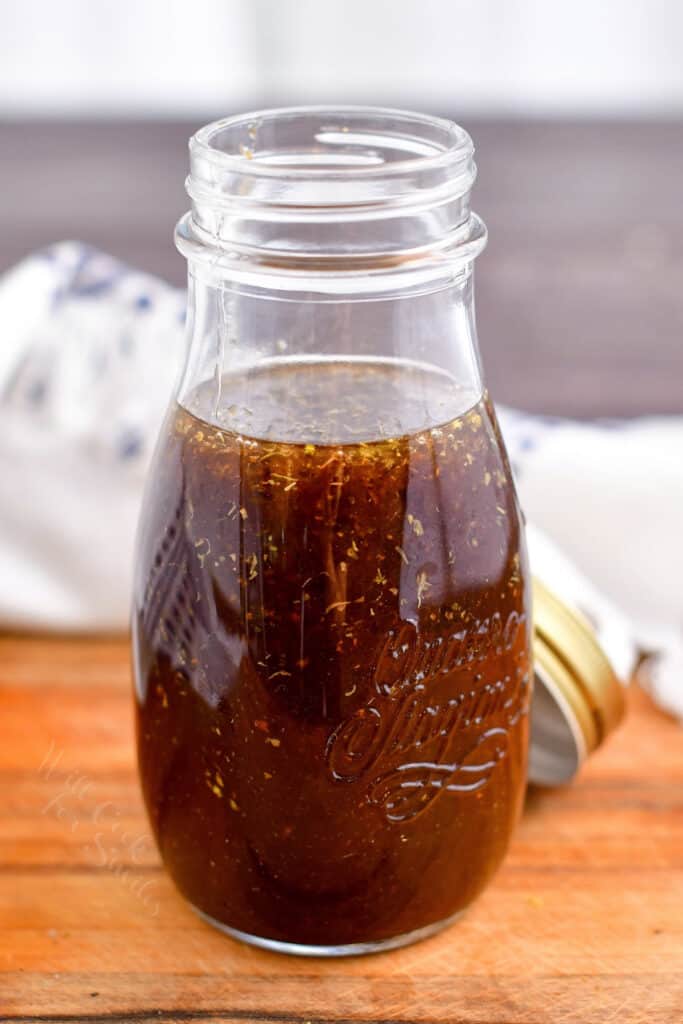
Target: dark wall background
579, 294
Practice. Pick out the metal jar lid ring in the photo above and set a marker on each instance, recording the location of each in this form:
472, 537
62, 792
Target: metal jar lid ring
578, 700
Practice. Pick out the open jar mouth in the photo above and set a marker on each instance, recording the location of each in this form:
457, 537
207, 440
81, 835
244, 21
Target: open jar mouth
326, 144
331, 184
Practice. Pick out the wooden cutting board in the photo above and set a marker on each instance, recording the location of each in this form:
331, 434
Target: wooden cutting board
584, 923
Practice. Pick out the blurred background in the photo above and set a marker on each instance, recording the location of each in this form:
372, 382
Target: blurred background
163, 58
576, 110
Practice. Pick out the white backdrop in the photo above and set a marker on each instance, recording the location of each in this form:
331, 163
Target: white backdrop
175, 57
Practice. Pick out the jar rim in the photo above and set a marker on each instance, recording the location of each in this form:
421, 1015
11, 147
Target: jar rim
330, 185
456, 146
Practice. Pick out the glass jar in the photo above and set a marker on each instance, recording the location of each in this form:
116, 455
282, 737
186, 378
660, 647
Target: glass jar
331, 609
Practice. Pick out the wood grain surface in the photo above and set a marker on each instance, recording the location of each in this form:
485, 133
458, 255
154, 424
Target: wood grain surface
583, 924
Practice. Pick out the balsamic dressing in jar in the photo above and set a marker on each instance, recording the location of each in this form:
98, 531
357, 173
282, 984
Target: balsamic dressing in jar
331, 620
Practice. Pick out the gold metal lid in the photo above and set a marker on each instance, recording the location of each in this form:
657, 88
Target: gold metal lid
578, 698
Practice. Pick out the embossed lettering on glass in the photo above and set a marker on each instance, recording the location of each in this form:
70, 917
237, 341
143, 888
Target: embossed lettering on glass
331, 618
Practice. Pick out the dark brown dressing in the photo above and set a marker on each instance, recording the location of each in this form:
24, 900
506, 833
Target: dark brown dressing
332, 650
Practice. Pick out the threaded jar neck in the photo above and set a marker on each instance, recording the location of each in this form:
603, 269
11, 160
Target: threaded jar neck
332, 184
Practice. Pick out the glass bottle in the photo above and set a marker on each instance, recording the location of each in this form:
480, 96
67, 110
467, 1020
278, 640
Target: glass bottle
331, 609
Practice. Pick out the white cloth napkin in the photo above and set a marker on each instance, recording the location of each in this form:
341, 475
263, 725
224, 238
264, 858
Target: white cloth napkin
88, 357
610, 494
89, 354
